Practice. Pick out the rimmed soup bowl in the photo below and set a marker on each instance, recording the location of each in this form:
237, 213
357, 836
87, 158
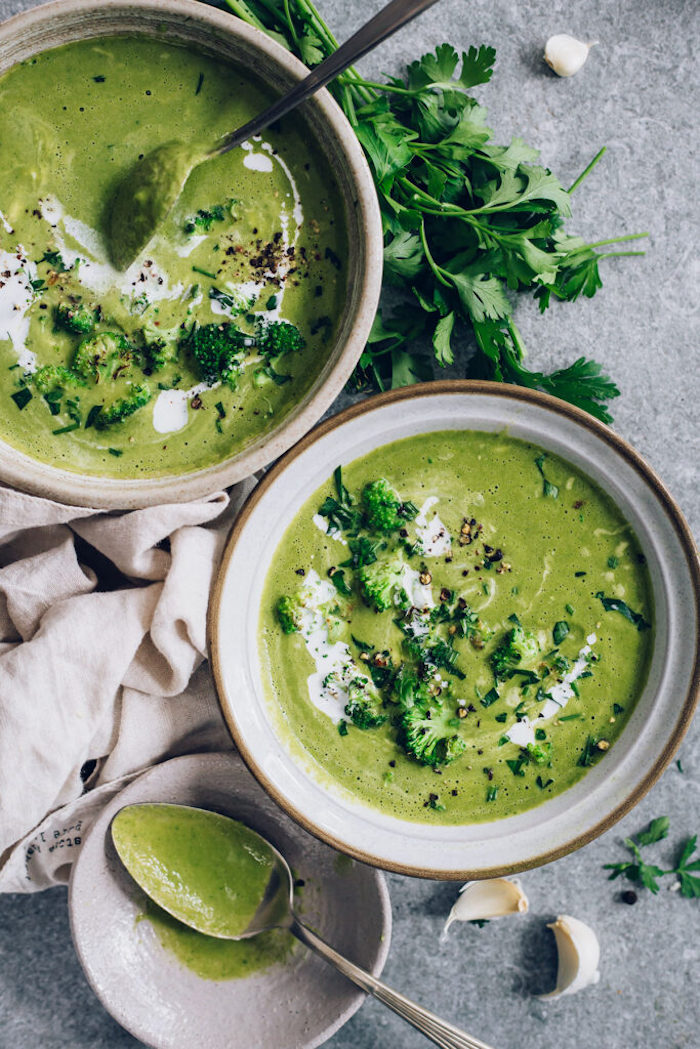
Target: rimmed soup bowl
215, 33
568, 819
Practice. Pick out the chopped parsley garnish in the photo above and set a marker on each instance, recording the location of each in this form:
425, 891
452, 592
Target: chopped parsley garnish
613, 561
615, 604
492, 793
543, 784
547, 487
560, 631
490, 697
22, 397
591, 751
342, 728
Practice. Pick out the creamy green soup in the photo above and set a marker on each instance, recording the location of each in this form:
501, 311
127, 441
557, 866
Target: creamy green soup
455, 628
222, 323
204, 870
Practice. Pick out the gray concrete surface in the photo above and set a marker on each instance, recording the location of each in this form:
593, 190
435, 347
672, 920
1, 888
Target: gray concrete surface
639, 95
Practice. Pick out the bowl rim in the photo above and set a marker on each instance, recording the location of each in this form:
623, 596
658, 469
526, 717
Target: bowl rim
513, 393
359, 199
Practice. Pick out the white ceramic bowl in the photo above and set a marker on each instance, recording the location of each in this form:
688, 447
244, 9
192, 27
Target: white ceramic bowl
224, 36
611, 787
295, 1005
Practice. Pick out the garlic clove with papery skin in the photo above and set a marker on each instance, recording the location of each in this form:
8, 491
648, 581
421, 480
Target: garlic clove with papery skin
579, 954
565, 54
485, 900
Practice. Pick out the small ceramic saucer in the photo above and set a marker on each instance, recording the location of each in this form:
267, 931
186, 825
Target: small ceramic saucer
297, 1004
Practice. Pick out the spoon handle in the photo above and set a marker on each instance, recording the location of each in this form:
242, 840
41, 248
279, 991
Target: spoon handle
392, 17
437, 1030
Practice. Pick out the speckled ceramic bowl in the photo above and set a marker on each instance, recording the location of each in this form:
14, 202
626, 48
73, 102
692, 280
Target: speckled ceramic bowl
612, 786
224, 36
295, 1005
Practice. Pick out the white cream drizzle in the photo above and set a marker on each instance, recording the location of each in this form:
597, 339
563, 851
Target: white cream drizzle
18, 296
258, 162
433, 536
329, 657
523, 732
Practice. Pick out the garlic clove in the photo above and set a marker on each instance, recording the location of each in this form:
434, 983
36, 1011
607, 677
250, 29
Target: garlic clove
484, 900
579, 954
565, 55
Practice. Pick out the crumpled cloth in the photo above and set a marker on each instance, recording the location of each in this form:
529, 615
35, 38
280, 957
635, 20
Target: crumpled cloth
102, 662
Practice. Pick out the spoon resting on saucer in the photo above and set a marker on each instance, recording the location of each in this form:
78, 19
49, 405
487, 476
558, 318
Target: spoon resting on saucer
223, 879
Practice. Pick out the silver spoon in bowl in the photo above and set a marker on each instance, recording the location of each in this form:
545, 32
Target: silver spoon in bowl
275, 911
149, 191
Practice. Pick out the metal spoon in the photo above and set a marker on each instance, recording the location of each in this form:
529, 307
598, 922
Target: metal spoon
149, 191
276, 911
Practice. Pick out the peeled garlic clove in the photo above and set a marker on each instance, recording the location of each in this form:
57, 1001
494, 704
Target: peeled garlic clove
484, 900
565, 55
579, 953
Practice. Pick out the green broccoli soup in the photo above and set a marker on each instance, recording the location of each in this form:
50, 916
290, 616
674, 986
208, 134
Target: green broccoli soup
223, 322
455, 627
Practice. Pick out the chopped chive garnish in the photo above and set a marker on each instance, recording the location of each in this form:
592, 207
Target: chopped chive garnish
342, 728
617, 709
67, 429
199, 84
579, 574
569, 609
115, 451
613, 561
220, 409
12, 367
570, 717
542, 784
205, 273
22, 397
502, 717
492, 793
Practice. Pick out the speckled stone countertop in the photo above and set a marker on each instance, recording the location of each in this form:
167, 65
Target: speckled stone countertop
638, 94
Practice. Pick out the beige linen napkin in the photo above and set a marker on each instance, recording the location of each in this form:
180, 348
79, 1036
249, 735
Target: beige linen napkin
102, 625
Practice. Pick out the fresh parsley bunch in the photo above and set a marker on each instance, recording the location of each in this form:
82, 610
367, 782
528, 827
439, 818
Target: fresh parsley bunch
466, 222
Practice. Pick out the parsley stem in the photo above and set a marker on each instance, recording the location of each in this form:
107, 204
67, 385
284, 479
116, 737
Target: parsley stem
617, 240
292, 28
437, 270
587, 170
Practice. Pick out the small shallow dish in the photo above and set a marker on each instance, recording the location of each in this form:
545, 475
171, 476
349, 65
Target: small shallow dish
220, 34
608, 790
295, 1005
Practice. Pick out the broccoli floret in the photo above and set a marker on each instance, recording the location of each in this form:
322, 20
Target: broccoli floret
123, 408
277, 337
156, 350
427, 733
80, 319
102, 355
380, 583
288, 611
518, 647
213, 349
540, 753
381, 505
52, 376
362, 706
